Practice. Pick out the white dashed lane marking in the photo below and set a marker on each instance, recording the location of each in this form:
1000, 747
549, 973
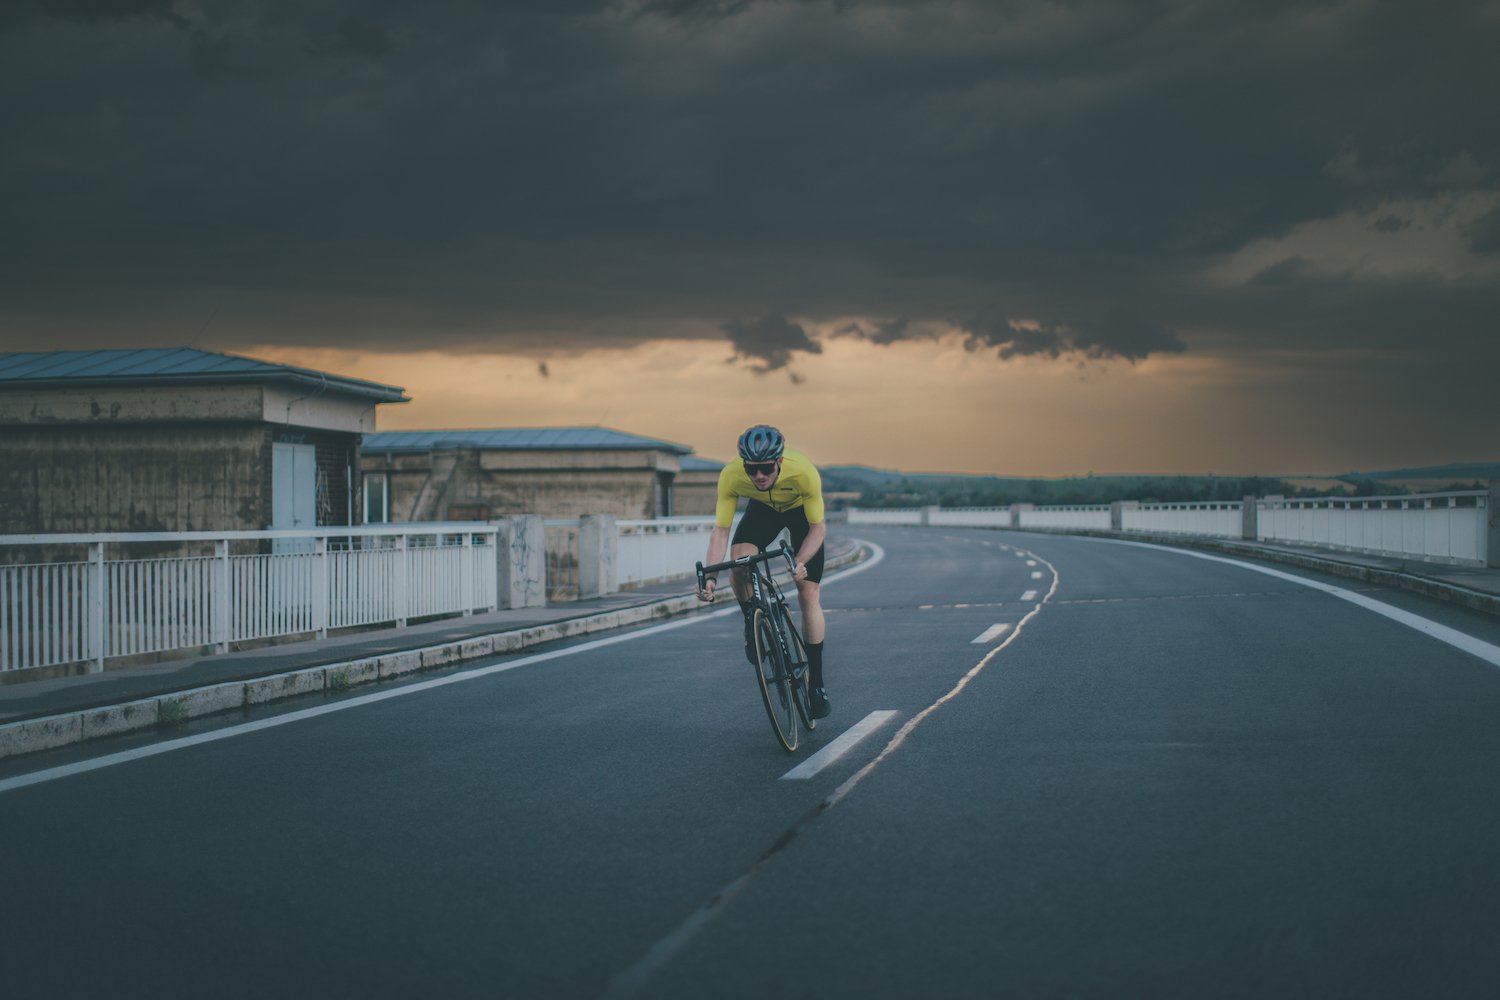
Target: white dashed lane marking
991, 634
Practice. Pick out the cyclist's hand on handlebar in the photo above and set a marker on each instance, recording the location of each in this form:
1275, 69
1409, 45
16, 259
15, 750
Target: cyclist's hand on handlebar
707, 593
800, 573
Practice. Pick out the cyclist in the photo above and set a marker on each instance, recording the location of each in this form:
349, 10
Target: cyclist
784, 490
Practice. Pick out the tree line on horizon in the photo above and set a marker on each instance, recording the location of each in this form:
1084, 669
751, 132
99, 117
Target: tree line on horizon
877, 489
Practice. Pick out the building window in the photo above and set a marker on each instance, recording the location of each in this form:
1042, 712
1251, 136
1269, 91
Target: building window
662, 501
377, 498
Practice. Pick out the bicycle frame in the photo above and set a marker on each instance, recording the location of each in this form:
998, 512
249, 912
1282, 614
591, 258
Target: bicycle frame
780, 667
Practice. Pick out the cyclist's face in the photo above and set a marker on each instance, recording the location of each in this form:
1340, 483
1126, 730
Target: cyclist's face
762, 479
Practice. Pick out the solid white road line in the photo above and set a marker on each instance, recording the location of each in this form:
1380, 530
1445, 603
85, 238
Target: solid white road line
634, 979
1487, 652
1030, 595
991, 634
911, 725
124, 756
833, 751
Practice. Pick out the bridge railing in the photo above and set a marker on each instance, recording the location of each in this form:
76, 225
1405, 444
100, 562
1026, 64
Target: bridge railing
663, 549
87, 598
1449, 527
1216, 519
1452, 527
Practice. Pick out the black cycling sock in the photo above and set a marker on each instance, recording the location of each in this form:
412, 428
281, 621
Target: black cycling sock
815, 664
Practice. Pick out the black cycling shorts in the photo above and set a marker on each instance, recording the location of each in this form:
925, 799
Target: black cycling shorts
761, 524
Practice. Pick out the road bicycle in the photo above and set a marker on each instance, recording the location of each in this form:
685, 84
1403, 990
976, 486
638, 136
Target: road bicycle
781, 656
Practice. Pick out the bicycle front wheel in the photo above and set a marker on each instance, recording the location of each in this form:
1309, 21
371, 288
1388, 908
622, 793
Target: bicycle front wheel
796, 666
775, 681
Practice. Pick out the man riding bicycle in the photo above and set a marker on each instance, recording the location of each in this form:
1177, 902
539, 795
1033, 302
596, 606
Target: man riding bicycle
784, 490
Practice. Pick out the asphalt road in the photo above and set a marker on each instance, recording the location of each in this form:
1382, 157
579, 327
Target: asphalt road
1168, 776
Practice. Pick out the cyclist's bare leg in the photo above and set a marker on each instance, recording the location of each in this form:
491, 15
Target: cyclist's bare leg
741, 577
810, 597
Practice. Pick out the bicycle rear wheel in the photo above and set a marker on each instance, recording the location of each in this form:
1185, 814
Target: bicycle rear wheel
797, 668
775, 682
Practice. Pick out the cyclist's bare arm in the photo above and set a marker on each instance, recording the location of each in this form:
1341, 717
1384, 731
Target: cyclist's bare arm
718, 541
815, 535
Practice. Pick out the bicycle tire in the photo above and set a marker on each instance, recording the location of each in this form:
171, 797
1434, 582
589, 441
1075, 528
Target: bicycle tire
797, 668
775, 682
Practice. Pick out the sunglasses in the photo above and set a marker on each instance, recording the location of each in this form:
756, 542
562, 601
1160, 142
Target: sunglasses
760, 468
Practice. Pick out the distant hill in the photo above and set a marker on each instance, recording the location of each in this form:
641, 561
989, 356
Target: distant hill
1454, 471
891, 488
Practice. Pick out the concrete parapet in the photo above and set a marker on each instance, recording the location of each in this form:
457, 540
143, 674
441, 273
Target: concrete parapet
928, 514
115, 719
521, 554
437, 656
1016, 510
1492, 557
40, 734
347, 675
278, 686
598, 555
1117, 513
201, 701
400, 663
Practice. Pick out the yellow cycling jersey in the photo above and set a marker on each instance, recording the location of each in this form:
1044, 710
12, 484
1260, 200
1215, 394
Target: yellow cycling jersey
799, 485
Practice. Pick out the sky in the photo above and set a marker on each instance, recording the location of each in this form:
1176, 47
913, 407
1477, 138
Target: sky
1015, 238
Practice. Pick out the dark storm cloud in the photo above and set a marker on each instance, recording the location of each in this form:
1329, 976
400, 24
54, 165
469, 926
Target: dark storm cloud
770, 342
1117, 335
500, 176
1484, 234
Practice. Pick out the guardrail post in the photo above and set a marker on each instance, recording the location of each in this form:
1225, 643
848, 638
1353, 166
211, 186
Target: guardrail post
403, 574
221, 596
598, 555
1250, 519
466, 579
521, 562
320, 589
1492, 523
96, 607
1117, 511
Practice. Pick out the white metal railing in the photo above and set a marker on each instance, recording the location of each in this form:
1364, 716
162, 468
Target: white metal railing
1082, 516
651, 551
971, 517
908, 515
208, 595
1221, 519
1450, 527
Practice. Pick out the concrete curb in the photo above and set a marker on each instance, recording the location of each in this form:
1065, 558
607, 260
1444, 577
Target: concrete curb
1474, 600
48, 733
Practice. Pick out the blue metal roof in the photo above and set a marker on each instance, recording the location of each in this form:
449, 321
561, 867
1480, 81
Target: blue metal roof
520, 439
175, 365
695, 463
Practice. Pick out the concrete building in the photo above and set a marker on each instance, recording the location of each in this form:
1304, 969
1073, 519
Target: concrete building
554, 472
697, 487
177, 439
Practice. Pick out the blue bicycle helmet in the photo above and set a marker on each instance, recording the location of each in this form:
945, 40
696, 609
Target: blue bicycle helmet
761, 443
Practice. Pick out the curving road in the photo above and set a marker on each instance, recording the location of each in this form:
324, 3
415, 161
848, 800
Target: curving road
1102, 769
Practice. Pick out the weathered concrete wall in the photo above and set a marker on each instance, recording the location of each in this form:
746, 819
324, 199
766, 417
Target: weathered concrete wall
143, 477
183, 458
695, 493
130, 404
465, 484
